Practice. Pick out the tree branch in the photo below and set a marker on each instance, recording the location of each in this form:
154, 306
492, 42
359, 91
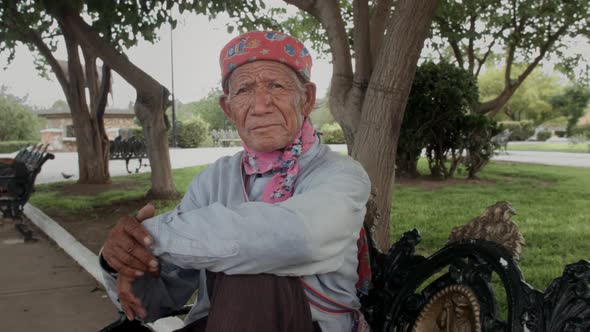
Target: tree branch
444, 27
495, 104
31, 36
470, 51
91, 41
381, 12
362, 53
91, 77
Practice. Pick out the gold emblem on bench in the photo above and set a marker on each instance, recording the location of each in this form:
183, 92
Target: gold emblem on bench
453, 309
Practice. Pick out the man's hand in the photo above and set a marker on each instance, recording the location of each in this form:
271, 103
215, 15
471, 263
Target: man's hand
130, 304
125, 249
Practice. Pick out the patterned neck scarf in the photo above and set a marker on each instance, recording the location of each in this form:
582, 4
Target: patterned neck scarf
283, 163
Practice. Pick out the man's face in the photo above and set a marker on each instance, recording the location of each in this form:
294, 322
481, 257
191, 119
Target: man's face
267, 104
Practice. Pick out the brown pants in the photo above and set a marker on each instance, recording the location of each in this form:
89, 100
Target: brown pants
249, 303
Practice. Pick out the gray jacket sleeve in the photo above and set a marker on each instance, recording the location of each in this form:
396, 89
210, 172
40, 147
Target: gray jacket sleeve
304, 235
163, 295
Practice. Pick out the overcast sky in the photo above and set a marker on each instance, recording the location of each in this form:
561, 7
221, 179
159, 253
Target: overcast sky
197, 43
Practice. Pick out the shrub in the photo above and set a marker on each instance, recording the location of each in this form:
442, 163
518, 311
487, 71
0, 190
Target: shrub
138, 133
192, 134
560, 133
479, 130
332, 134
440, 98
543, 135
521, 131
13, 146
582, 131
17, 122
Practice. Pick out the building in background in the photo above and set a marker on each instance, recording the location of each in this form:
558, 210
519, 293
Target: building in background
59, 131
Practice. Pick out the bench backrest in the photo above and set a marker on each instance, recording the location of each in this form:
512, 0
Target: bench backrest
21, 185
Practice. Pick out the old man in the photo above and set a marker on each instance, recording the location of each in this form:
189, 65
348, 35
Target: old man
268, 237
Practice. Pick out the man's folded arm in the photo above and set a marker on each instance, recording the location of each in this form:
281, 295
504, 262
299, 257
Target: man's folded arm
303, 235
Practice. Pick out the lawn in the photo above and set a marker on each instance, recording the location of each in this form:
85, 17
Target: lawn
553, 147
553, 205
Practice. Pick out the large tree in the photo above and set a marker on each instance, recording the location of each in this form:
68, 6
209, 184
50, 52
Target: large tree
28, 22
374, 46
476, 32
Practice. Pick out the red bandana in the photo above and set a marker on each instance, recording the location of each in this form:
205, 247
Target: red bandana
283, 163
264, 45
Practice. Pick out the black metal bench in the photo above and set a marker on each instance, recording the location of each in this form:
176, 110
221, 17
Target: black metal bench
18, 179
452, 290
127, 149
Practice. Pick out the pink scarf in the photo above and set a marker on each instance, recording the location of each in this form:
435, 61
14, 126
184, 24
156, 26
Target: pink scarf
283, 163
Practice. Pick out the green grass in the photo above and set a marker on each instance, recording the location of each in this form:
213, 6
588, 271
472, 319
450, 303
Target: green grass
553, 205
127, 188
554, 147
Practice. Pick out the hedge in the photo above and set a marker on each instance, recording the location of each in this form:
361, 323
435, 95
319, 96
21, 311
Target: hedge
13, 146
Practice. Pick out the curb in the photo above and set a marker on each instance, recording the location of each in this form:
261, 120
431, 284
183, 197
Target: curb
84, 257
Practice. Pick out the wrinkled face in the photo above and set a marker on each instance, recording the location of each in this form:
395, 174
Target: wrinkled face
267, 103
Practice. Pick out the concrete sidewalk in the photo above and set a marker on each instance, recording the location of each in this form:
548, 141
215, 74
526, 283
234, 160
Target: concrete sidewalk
43, 289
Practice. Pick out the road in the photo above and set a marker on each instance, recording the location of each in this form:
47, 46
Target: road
67, 162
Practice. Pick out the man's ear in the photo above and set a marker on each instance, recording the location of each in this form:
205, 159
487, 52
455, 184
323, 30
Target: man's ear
309, 103
223, 102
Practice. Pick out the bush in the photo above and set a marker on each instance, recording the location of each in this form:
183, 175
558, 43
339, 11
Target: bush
138, 133
582, 131
191, 134
560, 133
478, 133
543, 136
332, 134
17, 122
521, 131
13, 146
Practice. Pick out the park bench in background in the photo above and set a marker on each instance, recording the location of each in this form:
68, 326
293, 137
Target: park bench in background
452, 289
224, 138
501, 140
127, 149
17, 183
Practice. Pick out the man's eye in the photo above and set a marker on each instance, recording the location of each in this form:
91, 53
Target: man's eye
275, 86
241, 90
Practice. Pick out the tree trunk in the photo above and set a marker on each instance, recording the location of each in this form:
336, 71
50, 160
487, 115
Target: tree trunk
150, 110
150, 106
406, 165
377, 134
89, 139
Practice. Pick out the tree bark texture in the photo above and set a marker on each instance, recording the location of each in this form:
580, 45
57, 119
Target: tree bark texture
150, 112
88, 130
93, 167
384, 104
151, 103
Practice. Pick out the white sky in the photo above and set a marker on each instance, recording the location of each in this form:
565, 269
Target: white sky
197, 43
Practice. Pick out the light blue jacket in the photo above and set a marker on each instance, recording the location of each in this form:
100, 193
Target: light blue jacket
313, 234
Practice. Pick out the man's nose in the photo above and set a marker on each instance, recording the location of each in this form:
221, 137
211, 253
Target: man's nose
262, 101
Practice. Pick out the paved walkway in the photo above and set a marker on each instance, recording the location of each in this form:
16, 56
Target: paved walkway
547, 158
67, 162
43, 289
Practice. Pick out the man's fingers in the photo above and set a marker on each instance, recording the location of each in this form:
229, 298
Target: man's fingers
123, 269
133, 228
145, 212
129, 246
129, 259
130, 304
